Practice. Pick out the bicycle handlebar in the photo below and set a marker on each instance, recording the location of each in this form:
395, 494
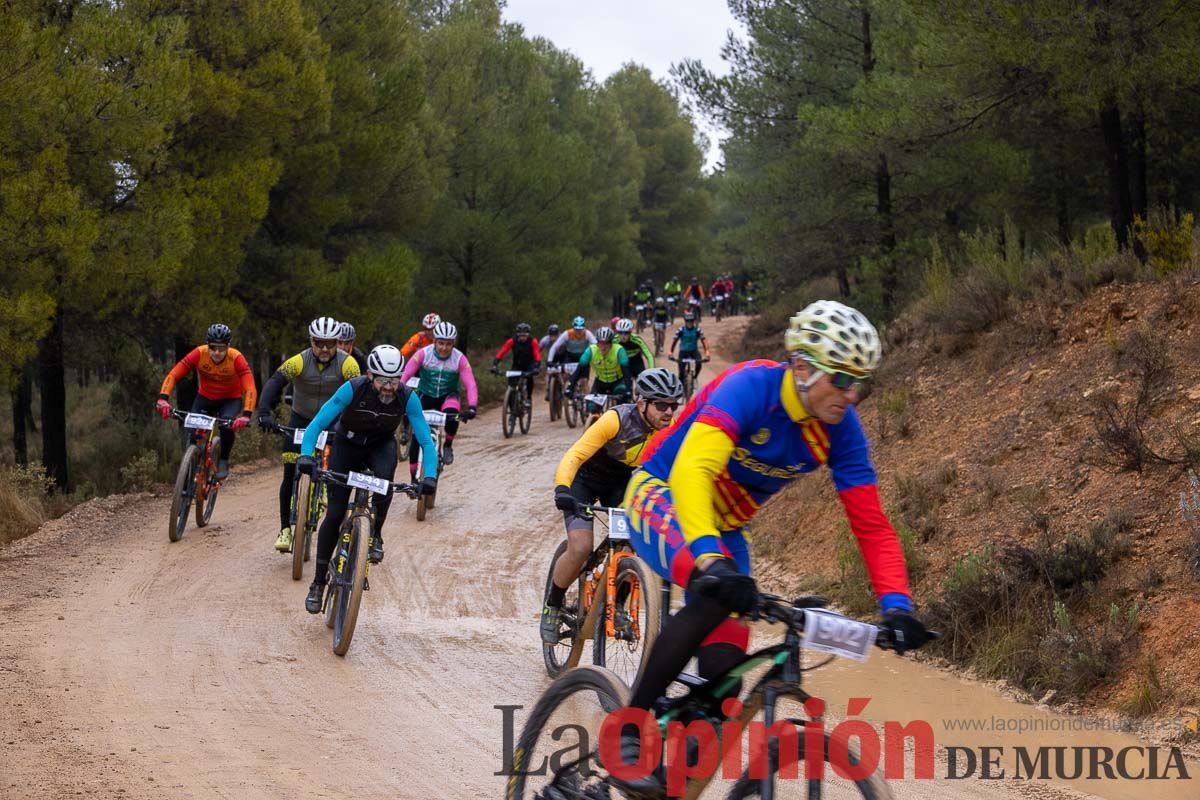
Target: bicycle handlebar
181, 415
774, 609
342, 478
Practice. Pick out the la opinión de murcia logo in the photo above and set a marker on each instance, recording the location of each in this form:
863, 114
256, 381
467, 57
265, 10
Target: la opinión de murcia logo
703, 748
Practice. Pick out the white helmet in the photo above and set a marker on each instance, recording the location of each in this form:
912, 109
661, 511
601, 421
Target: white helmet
834, 336
605, 334
430, 321
624, 326
324, 328
385, 360
445, 330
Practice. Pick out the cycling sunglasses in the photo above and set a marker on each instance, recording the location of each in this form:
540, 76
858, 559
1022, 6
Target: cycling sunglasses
845, 382
324, 344
663, 406
384, 380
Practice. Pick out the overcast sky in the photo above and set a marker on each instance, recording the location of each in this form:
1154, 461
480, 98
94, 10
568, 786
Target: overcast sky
655, 33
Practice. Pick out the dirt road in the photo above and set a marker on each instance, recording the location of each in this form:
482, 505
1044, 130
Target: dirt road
135, 668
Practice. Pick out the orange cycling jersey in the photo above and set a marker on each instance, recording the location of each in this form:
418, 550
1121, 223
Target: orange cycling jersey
231, 378
416, 342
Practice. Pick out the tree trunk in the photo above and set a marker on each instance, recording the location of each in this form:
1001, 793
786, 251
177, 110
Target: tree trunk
22, 400
54, 404
1137, 135
185, 390
843, 279
1117, 162
887, 233
1062, 208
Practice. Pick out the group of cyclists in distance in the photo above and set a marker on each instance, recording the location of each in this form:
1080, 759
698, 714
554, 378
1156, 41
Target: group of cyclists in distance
691, 467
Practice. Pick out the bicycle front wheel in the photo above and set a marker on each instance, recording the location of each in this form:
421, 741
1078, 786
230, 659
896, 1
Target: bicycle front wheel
508, 420
830, 785
626, 631
300, 531
571, 411
569, 701
566, 650
354, 575
526, 411
185, 487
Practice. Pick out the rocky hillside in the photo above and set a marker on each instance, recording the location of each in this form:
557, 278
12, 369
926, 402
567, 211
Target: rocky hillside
1037, 468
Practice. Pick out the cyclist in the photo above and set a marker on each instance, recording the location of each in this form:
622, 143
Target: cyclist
526, 356
572, 344
367, 410
690, 339
642, 297
315, 373
693, 296
423, 337
226, 384
752, 431
346, 336
544, 345
612, 368
444, 370
596, 470
673, 288
638, 352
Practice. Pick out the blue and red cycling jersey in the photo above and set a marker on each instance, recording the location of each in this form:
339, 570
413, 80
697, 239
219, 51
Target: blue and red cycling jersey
744, 437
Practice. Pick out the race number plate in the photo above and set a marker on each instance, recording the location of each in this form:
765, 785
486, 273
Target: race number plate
687, 361
513, 373
837, 635
618, 524
435, 418
200, 422
368, 482
554, 370
596, 399
413, 383
298, 438
571, 366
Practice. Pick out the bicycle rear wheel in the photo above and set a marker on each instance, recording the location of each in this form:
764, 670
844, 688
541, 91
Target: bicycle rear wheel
570, 700
185, 487
636, 620
832, 785
304, 490
351, 590
556, 399
508, 419
558, 656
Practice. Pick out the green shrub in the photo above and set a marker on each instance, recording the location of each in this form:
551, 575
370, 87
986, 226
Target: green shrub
23, 500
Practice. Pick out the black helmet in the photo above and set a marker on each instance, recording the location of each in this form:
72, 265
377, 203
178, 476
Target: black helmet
523, 327
689, 316
552, 330
658, 384
219, 333
605, 334
346, 332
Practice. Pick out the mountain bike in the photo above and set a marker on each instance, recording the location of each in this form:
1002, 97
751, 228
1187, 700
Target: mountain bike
688, 376
518, 410
640, 316
196, 478
554, 389
673, 306
576, 411
309, 498
808, 625
348, 566
697, 307
718, 306
597, 403
660, 335
615, 602
437, 429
